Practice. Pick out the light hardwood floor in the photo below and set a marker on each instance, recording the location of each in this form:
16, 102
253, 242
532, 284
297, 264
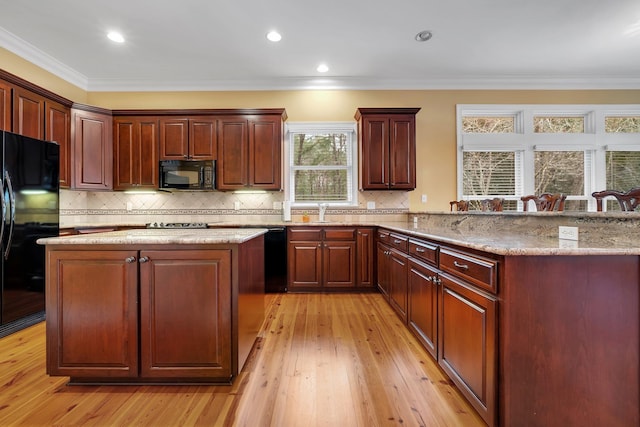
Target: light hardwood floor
321, 360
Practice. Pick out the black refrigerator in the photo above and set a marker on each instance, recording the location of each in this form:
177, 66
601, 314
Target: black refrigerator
30, 210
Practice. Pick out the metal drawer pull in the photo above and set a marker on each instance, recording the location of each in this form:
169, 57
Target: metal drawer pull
130, 259
396, 241
420, 250
462, 266
144, 259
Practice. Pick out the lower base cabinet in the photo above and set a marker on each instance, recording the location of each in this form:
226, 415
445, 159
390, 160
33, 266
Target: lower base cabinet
467, 343
183, 330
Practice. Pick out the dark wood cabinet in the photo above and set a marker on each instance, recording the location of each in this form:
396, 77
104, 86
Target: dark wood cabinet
467, 328
398, 286
28, 113
153, 313
92, 307
423, 304
382, 270
387, 148
185, 314
250, 152
92, 149
188, 138
321, 258
58, 129
5, 106
365, 246
135, 155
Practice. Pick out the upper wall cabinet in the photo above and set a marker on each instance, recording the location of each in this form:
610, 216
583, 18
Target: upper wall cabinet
387, 148
135, 153
32, 111
28, 113
188, 138
92, 153
250, 151
5, 106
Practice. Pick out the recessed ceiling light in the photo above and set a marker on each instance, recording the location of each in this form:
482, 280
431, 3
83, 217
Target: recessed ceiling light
274, 36
322, 68
423, 36
115, 36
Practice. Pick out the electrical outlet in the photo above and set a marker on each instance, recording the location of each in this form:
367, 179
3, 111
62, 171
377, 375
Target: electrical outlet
277, 206
568, 233
423, 199
236, 206
371, 205
129, 206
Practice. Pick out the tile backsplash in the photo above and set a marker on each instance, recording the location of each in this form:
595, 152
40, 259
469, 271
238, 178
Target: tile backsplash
81, 208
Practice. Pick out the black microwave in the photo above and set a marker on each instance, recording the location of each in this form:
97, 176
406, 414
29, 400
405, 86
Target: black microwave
187, 174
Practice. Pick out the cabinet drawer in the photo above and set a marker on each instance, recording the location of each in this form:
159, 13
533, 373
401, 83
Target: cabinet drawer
424, 251
340, 233
399, 242
482, 272
383, 236
305, 234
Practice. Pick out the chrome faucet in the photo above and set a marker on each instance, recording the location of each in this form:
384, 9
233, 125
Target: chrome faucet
322, 208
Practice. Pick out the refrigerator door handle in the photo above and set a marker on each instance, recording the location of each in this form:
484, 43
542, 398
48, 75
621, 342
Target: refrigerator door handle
12, 201
3, 208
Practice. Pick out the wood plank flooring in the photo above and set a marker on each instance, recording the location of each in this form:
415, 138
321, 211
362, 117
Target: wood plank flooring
321, 360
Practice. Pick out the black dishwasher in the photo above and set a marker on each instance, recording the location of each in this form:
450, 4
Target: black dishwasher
275, 260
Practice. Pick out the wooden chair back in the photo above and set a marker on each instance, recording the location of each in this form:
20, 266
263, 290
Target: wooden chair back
546, 202
628, 201
461, 205
493, 205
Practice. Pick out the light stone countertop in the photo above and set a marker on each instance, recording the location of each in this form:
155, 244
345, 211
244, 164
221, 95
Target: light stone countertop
159, 236
509, 242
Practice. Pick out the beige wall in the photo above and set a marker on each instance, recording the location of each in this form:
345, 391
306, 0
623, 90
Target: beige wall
436, 130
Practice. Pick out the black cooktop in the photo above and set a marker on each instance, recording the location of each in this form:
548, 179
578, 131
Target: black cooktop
176, 225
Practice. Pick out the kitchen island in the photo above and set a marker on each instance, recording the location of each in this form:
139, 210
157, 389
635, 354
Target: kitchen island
153, 306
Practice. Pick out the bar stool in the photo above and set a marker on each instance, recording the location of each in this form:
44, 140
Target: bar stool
461, 205
628, 201
546, 202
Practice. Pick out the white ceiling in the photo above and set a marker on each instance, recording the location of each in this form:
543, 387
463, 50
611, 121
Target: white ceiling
368, 44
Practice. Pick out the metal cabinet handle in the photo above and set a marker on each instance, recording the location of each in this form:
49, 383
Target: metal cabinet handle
462, 266
419, 250
144, 259
436, 280
130, 259
396, 241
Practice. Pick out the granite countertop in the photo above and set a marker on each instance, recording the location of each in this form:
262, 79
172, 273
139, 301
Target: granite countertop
159, 236
509, 242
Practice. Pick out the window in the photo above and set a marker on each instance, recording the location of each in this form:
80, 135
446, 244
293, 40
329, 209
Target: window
321, 164
509, 151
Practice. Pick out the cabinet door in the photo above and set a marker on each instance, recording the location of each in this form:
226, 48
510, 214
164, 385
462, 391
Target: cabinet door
135, 153
174, 139
5, 106
402, 152
374, 153
304, 265
92, 155
423, 305
28, 113
398, 276
92, 314
265, 147
203, 139
232, 168
467, 343
382, 259
58, 129
185, 314
364, 258
339, 260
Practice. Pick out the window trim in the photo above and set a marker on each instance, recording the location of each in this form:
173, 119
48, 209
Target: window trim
349, 128
594, 141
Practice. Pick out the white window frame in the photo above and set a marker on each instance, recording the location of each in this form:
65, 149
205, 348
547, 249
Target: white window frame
594, 141
348, 128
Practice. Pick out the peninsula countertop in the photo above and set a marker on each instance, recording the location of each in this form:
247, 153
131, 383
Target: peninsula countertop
209, 236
